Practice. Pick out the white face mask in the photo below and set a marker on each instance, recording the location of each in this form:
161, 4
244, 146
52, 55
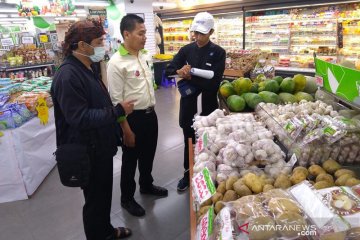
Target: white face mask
99, 53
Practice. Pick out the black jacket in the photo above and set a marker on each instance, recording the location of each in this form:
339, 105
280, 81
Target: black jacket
210, 57
83, 109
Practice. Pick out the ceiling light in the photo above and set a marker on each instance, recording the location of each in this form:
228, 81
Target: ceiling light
81, 11
12, 1
67, 18
81, 15
5, 15
14, 15
92, 4
8, 10
164, 4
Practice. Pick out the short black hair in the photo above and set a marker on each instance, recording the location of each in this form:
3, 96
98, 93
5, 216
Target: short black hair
128, 23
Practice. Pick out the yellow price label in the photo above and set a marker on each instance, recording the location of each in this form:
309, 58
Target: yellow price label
44, 38
43, 110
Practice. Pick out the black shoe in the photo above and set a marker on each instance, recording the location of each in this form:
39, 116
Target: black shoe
183, 184
133, 208
155, 190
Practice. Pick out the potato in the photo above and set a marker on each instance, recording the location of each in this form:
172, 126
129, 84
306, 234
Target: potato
334, 236
241, 189
297, 177
316, 170
340, 172
352, 182
353, 234
280, 205
325, 177
221, 188
218, 206
282, 181
206, 203
262, 234
203, 210
290, 222
217, 197
230, 181
230, 195
275, 193
256, 186
301, 169
323, 184
268, 187
342, 179
331, 166
269, 181
249, 178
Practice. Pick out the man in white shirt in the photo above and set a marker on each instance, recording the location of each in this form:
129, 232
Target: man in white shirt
130, 77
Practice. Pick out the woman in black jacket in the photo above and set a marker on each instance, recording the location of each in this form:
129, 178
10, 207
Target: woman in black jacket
84, 114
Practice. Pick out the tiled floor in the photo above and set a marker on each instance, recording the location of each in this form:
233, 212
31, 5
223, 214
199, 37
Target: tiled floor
54, 212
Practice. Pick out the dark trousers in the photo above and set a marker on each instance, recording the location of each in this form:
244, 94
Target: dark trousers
145, 127
98, 195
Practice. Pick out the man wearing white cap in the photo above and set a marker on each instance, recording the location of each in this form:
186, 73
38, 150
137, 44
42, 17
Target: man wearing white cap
202, 54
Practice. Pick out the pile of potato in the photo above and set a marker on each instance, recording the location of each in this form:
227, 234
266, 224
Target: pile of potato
327, 175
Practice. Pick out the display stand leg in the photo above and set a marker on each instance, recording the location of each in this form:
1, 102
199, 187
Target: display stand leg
192, 212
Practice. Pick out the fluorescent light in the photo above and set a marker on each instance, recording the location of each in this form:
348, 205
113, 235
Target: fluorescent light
14, 15
67, 18
81, 15
304, 5
81, 11
8, 10
18, 19
164, 4
5, 15
12, 1
92, 4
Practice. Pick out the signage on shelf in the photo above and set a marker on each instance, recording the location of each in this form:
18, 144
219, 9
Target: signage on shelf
27, 40
97, 12
43, 111
203, 186
43, 38
342, 81
6, 42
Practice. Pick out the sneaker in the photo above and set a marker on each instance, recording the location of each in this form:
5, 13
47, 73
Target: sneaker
133, 208
183, 184
155, 190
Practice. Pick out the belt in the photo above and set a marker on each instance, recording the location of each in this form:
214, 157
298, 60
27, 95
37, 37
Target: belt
146, 110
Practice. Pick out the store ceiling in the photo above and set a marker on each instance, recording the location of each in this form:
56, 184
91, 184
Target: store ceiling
223, 6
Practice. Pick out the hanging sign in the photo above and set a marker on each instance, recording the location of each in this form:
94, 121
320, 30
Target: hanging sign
7, 42
342, 81
42, 110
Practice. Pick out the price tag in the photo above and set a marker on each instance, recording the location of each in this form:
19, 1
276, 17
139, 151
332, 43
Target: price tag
226, 228
203, 185
205, 226
27, 40
293, 160
319, 81
43, 38
202, 143
43, 111
6, 42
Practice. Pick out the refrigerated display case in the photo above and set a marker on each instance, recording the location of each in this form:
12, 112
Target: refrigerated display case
176, 35
229, 32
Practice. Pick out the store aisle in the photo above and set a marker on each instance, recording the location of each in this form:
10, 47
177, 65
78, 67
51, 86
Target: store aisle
54, 212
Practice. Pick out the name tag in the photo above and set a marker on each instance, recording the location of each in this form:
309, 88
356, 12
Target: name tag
208, 64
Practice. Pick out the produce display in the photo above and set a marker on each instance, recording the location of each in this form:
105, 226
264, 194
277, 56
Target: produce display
315, 131
300, 212
244, 94
18, 99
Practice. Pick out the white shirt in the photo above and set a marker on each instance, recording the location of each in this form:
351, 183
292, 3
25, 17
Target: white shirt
130, 78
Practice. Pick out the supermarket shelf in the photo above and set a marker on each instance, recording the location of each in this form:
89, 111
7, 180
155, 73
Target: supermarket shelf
25, 67
170, 42
312, 45
293, 69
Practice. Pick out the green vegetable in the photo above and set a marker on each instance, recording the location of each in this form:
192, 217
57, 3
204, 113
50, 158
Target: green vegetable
287, 85
235, 103
269, 97
287, 98
303, 96
252, 99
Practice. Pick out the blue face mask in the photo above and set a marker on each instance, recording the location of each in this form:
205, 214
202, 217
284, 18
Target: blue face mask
99, 53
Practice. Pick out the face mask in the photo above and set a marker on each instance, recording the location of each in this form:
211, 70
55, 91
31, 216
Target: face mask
99, 53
